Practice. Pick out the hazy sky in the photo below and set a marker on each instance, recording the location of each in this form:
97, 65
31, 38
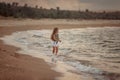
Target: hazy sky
74, 4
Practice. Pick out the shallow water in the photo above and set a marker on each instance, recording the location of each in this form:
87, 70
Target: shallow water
89, 51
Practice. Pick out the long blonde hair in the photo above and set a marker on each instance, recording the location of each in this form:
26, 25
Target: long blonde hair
55, 30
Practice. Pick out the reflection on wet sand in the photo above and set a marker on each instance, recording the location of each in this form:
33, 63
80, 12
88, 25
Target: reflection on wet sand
91, 52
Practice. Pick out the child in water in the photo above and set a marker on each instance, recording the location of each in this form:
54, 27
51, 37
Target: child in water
55, 39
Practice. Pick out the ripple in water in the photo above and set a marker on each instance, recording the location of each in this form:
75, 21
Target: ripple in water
88, 50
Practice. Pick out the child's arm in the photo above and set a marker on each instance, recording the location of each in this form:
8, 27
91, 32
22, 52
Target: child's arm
56, 38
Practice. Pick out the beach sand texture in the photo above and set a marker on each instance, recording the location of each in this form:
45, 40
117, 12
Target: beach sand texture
29, 68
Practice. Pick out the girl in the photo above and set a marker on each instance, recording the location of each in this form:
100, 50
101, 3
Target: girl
55, 39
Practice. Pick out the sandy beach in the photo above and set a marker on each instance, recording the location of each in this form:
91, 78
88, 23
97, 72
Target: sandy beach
15, 66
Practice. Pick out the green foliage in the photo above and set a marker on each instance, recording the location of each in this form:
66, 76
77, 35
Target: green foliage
16, 11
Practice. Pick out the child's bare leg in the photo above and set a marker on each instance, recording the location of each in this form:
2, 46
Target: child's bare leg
56, 50
53, 50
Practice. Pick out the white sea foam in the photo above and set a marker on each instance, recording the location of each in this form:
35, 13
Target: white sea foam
80, 49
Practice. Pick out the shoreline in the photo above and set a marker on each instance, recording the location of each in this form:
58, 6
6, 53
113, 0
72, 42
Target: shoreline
9, 30
20, 66
58, 68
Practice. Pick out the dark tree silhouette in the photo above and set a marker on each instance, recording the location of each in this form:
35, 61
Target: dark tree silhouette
86, 10
25, 5
36, 6
14, 10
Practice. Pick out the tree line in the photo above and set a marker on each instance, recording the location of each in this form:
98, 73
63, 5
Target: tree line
17, 11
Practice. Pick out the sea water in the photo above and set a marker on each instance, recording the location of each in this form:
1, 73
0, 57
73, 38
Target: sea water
88, 52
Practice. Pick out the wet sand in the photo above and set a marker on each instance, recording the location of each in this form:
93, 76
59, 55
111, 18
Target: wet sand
14, 66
